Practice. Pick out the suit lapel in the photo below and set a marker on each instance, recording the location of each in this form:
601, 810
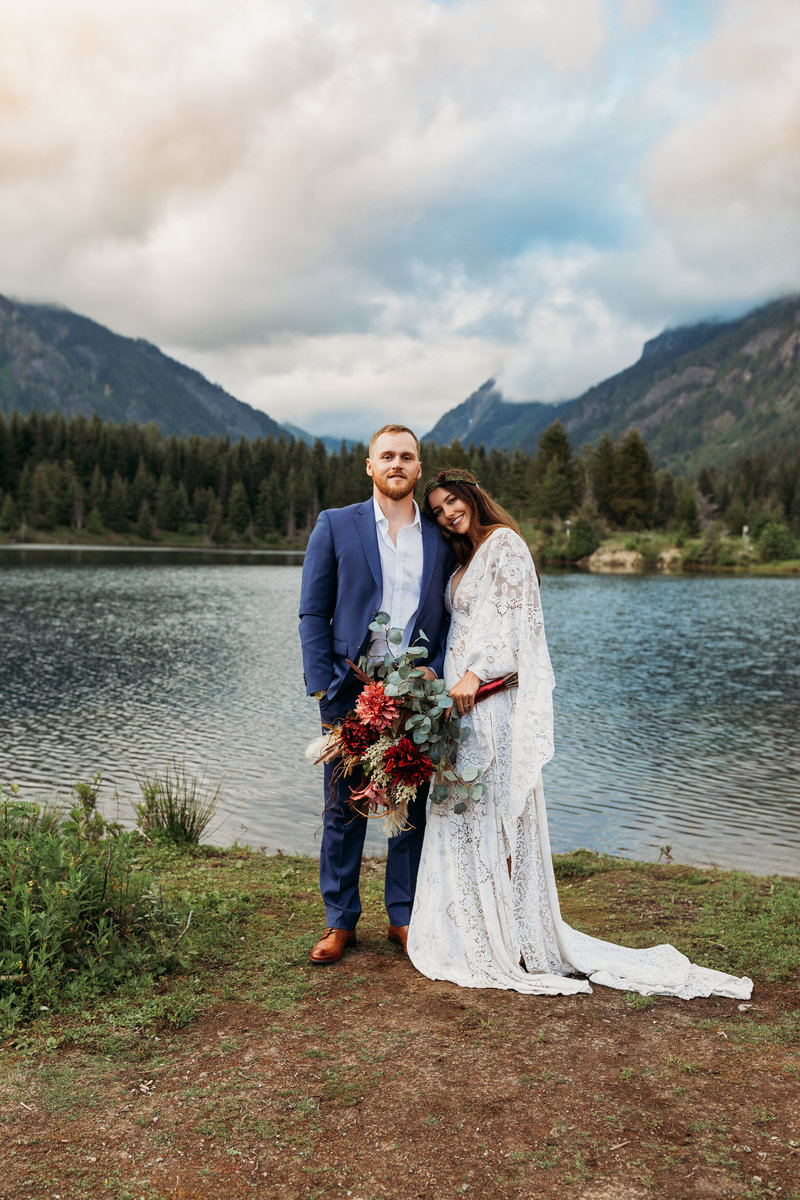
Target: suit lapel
368, 533
430, 546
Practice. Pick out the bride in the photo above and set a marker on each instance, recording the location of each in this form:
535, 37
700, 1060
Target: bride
486, 912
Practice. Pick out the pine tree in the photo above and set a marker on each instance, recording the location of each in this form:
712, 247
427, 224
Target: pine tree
145, 525
9, 515
633, 482
239, 513
553, 473
553, 496
116, 506
601, 473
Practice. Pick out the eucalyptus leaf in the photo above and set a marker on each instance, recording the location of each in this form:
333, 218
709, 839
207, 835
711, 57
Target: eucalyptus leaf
382, 618
460, 807
419, 736
392, 689
440, 799
470, 773
394, 637
375, 627
462, 791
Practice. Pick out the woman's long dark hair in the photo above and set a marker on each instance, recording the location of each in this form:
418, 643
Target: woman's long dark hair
486, 515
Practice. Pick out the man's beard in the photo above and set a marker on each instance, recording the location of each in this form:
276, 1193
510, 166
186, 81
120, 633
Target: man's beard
394, 489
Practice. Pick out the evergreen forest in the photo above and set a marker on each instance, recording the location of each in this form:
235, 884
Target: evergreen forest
82, 477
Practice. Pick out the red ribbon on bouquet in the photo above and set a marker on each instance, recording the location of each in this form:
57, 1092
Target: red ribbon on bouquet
492, 686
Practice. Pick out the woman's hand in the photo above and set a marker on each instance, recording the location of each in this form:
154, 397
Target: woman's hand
463, 693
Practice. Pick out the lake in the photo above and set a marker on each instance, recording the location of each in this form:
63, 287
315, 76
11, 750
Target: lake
677, 702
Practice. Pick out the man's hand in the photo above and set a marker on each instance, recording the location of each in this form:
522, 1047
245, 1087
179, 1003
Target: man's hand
428, 673
463, 693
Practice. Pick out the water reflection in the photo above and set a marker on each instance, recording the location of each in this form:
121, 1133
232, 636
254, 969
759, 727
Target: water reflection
676, 707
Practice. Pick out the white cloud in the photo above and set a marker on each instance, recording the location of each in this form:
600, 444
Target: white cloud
351, 205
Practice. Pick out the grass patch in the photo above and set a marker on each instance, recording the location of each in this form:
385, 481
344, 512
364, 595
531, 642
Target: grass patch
76, 917
176, 805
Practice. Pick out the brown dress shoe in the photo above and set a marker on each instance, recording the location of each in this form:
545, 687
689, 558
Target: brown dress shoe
399, 934
331, 946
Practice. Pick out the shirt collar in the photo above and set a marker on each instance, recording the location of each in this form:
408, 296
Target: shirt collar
382, 520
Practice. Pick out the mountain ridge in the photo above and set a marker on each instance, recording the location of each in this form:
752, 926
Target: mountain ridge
53, 359
699, 394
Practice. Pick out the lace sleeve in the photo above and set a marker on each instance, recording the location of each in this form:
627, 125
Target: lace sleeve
507, 634
494, 640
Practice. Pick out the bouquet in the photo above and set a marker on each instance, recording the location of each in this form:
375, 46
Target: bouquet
403, 732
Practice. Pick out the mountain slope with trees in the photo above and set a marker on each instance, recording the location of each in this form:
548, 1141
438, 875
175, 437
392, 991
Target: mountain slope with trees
486, 419
703, 395
706, 394
53, 360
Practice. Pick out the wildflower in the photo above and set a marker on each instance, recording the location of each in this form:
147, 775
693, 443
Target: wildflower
371, 795
375, 708
355, 737
405, 762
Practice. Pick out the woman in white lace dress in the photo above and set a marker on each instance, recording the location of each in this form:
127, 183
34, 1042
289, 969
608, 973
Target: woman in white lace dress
486, 912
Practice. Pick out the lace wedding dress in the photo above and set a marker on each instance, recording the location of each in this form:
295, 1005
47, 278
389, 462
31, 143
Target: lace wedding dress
472, 921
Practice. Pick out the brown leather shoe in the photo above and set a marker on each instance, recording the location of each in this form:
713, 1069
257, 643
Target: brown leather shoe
331, 946
399, 934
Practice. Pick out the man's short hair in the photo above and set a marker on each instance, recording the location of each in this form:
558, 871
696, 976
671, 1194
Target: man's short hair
393, 429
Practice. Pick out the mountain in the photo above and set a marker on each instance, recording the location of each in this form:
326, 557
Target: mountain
699, 395
332, 445
704, 394
54, 360
485, 418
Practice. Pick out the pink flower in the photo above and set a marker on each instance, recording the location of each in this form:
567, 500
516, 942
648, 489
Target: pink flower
375, 708
372, 796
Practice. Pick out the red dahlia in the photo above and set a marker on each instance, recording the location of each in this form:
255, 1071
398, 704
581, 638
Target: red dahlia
405, 764
356, 738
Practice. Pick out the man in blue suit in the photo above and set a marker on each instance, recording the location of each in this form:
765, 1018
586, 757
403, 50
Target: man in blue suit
382, 555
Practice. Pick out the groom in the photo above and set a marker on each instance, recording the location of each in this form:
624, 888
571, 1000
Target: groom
382, 555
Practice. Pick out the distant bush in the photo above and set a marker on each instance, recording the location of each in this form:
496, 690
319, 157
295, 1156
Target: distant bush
582, 540
77, 915
176, 805
775, 543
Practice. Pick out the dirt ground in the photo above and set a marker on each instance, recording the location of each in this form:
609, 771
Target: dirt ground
381, 1083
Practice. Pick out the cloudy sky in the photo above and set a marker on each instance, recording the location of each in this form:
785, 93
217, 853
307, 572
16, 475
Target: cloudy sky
351, 211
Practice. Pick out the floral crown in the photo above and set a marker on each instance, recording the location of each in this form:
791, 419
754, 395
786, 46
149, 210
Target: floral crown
449, 475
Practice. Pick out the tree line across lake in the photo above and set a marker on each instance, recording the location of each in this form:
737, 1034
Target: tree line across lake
84, 475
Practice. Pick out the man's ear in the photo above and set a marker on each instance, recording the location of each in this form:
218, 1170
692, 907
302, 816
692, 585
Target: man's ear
369, 468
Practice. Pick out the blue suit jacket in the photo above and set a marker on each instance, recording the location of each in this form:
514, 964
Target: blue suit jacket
342, 589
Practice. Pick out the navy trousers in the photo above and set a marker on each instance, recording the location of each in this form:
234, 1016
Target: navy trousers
343, 833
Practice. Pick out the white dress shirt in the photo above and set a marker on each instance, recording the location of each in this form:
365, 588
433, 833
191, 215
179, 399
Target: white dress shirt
401, 566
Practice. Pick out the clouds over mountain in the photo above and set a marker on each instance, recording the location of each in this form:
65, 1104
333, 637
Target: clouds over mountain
362, 207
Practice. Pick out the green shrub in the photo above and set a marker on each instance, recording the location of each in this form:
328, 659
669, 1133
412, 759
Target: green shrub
76, 915
775, 543
582, 540
176, 805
